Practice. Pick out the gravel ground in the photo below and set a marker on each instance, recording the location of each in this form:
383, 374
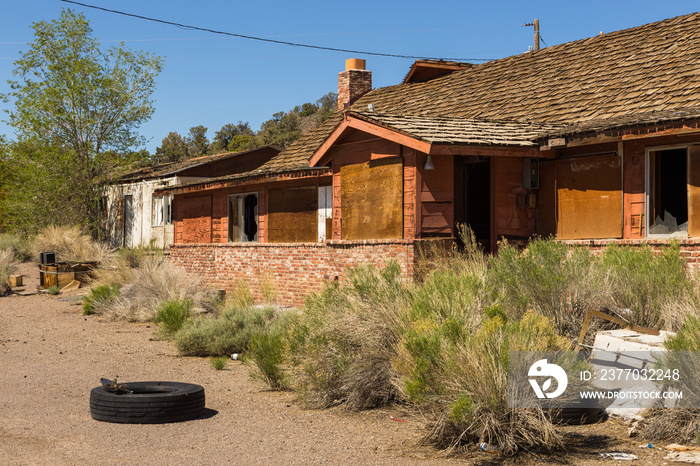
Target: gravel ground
51, 356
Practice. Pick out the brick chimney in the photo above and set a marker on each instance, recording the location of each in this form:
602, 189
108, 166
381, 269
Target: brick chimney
353, 83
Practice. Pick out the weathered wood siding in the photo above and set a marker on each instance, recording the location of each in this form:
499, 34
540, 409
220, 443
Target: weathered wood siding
512, 216
436, 196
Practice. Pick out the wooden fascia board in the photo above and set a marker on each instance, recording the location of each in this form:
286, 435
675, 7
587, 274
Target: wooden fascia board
487, 151
318, 158
350, 122
626, 135
388, 134
271, 178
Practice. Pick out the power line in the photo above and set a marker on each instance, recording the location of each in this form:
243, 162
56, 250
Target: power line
242, 36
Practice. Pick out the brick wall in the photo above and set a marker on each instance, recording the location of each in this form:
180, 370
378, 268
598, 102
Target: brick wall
689, 247
293, 270
353, 84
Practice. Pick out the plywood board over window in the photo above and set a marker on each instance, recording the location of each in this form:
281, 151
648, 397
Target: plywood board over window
589, 197
293, 215
372, 199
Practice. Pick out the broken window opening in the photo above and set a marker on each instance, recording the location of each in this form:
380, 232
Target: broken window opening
162, 211
667, 192
243, 218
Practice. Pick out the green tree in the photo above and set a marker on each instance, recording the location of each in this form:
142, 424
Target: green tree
197, 141
282, 129
173, 148
73, 102
227, 133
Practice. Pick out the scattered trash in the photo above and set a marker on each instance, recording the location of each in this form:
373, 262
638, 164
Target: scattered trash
692, 457
616, 455
234, 356
677, 447
397, 420
73, 285
488, 448
648, 445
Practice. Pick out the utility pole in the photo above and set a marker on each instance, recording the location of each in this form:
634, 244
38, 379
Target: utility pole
537, 32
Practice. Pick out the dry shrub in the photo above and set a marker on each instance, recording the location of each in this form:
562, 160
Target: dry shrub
679, 425
342, 345
70, 244
6, 269
460, 374
155, 281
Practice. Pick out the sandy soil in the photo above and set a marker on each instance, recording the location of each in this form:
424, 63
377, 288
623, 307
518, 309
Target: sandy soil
51, 356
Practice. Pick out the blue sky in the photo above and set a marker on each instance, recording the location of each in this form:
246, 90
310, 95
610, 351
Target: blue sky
213, 80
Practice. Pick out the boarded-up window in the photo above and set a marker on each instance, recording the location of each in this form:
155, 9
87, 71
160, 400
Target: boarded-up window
372, 199
196, 220
588, 197
292, 215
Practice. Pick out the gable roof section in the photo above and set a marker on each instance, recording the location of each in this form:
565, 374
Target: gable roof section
425, 70
643, 75
433, 135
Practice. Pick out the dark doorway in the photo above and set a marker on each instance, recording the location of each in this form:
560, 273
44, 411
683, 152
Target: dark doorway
473, 197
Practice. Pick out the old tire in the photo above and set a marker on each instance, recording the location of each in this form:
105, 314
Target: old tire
150, 403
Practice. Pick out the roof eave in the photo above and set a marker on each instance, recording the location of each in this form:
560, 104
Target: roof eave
354, 121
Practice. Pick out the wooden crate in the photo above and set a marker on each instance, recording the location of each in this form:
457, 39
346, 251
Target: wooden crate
15, 280
59, 279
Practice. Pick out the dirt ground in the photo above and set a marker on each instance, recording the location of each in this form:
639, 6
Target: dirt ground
51, 356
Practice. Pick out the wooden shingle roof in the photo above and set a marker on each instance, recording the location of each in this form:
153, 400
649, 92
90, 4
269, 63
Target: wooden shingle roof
642, 75
463, 130
171, 168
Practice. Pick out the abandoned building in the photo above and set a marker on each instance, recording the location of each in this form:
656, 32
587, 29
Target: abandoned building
593, 141
135, 217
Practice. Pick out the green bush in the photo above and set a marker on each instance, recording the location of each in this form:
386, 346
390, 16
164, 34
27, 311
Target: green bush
99, 297
643, 281
267, 354
219, 363
53, 290
548, 277
173, 314
224, 335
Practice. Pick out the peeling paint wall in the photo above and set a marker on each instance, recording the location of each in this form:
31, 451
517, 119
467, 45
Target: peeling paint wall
142, 232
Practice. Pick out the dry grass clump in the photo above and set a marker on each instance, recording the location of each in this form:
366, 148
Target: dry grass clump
678, 425
155, 281
20, 246
6, 269
70, 244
